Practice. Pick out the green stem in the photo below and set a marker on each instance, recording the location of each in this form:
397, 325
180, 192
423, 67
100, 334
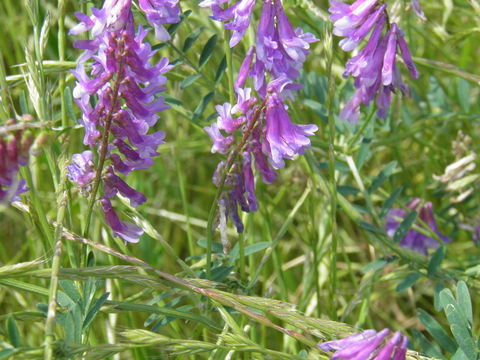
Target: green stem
231, 159
103, 149
360, 132
228, 54
331, 169
52, 295
61, 56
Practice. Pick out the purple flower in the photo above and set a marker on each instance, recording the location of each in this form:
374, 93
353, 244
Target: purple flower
280, 50
118, 90
239, 14
160, 12
125, 230
82, 169
284, 139
368, 344
375, 66
14, 152
418, 10
225, 120
220, 144
413, 239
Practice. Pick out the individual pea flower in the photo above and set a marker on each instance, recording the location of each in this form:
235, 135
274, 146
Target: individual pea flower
82, 170
118, 91
14, 152
368, 344
414, 239
127, 231
375, 66
159, 13
418, 10
239, 15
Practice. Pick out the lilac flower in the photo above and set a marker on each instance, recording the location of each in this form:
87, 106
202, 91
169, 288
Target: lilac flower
418, 10
284, 139
119, 98
125, 230
368, 344
280, 50
413, 239
14, 152
160, 12
375, 66
239, 13
220, 144
82, 169
268, 134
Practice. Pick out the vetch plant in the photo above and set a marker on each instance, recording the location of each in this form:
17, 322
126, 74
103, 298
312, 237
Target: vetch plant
125, 88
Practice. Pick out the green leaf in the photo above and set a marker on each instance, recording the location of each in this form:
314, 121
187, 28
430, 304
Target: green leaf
384, 175
437, 332
220, 273
189, 80
370, 227
221, 70
208, 50
347, 190
202, 105
73, 325
387, 205
408, 282
252, 249
405, 225
13, 334
464, 339
378, 264
70, 289
6, 353
429, 348
464, 301
190, 40
216, 247
94, 310
436, 260
172, 29
463, 91
69, 104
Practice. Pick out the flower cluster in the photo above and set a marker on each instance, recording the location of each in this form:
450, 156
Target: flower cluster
119, 99
268, 136
369, 344
374, 67
280, 49
14, 151
414, 239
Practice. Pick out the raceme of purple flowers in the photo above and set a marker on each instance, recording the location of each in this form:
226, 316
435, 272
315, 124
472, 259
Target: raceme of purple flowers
119, 99
280, 49
414, 239
375, 66
268, 136
14, 151
369, 344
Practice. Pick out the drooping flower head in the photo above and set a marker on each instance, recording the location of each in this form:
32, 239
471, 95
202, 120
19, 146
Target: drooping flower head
375, 66
14, 152
368, 345
119, 96
268, 138
414, 239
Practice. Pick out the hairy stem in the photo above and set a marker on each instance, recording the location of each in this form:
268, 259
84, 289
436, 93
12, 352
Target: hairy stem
230, 160
103, 147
